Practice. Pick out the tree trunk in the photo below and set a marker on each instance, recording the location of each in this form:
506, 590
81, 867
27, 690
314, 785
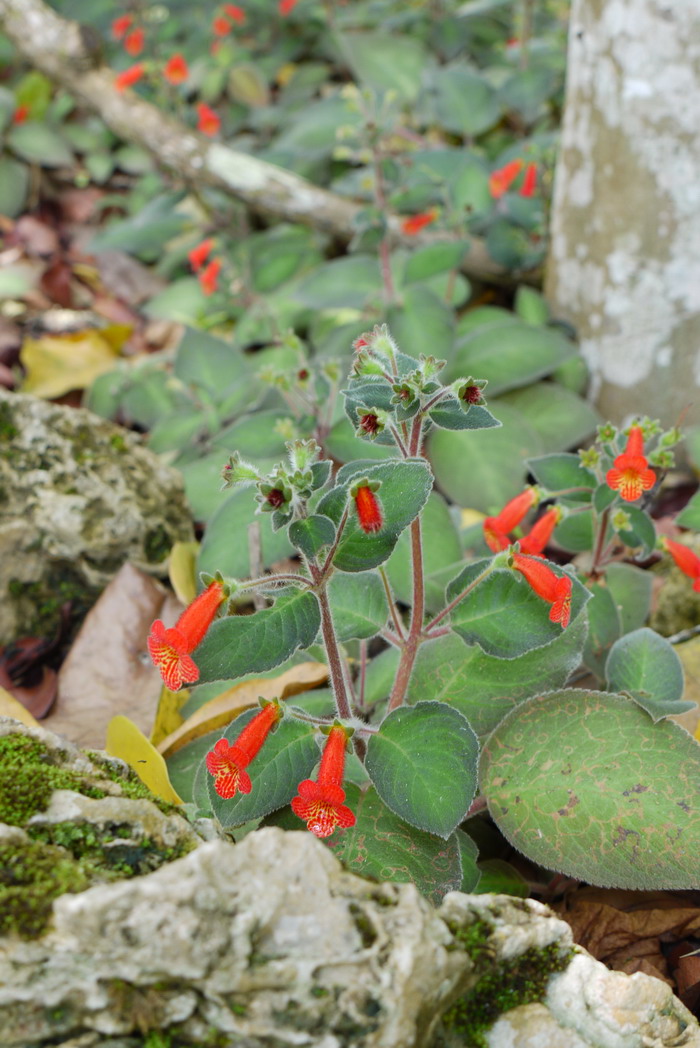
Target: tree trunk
624, 264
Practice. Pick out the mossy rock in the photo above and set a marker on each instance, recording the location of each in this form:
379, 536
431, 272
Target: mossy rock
79, 496
69, 820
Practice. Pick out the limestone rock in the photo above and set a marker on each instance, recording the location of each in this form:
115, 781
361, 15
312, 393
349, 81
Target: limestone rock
270, 943
78, 497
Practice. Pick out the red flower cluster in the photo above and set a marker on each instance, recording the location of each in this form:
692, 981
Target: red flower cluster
503, 178
121, 25
285, 7
176, 69
321, 804
171, 649
227, 763
631, 474
540, 533
208, 272
369, 512
555, 589
20, 114
208, 122
134, 41
414, 223
686, 560
129, 77
496, 528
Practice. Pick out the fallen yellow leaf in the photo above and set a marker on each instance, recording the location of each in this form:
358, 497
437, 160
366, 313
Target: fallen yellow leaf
10, 707
126, 741
56, 364
181, 570
168, 716
467, 517
221, 710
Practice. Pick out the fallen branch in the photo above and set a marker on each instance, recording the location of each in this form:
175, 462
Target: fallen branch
66, 52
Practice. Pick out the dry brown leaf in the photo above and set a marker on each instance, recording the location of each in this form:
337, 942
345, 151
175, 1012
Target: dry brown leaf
221, 710
625, 929
107, 670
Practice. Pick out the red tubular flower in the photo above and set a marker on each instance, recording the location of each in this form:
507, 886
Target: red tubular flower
207, 120
502, 179
235, 13
414, 223
539, 535
133, 42
321, 804
496, 528
227, 762
170, 649
555, 589
129, 77
686, 560
630, 474
529, 185
286, 7
198, 255
369, 513
176, 69
221, 26
209, 277
120, 26
20, 114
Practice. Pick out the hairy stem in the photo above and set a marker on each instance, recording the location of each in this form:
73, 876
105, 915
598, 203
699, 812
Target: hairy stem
335, 662
398, 625
415, 632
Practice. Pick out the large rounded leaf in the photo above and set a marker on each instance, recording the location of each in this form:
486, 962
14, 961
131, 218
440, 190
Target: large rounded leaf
646, 666
583, 782
423, 764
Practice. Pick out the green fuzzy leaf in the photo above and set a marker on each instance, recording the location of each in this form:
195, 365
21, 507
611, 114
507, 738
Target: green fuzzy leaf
631, 590
288, 755
382, 846
584, 783
500, 878
464, 101
344, 282
469, 853
14, 186
208, 362
241, 644
449, 414
690, 516
562, 472
575, 533
234, 517
358, 603
603, 497
531, 306
503, 615
404, 490
484, 688
562, 419
482, 470
641, 531
39, 144
434, 258
603, 628
423, 323
312, 533
645, 666
422, 762
386, 61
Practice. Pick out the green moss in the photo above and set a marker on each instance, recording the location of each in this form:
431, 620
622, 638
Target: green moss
474, 939
118, 442
521, 980
8, 429
31, 877
28, 778
39, 604
157, 544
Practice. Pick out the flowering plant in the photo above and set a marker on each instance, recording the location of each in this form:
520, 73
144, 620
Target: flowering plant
459, 697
